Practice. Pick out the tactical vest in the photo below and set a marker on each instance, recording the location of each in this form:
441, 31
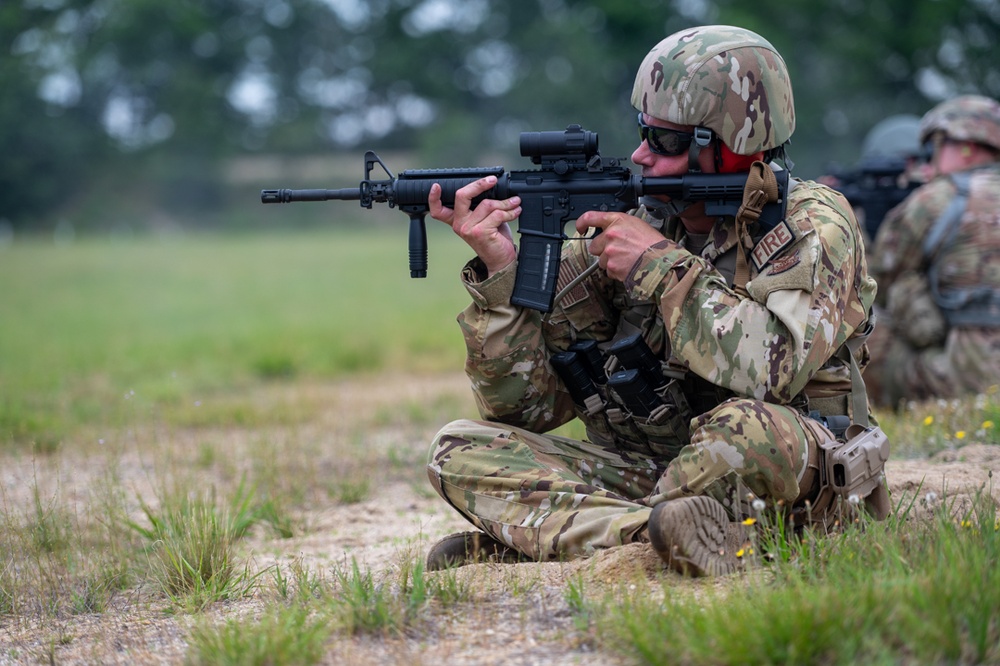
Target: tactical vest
977, 305
647, 401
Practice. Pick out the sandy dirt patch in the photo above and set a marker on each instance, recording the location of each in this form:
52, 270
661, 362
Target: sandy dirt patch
521, 615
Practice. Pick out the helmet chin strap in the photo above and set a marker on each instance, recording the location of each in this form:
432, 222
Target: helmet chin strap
702, 139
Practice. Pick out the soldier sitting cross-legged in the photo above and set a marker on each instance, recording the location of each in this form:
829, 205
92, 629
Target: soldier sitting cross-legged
714, 362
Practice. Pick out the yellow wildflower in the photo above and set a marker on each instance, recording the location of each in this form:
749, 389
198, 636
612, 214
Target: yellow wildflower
750, 521
928, 420
960, 434
987, 424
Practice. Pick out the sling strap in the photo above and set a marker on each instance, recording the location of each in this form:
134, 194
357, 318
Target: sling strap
760, 190
970, 306
859, 392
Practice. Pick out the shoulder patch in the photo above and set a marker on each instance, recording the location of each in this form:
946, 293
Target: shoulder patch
793, 272
783, 264
776, 240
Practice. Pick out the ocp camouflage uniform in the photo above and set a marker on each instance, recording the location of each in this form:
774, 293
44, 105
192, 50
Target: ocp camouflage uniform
750, 365
744, 366
921, 350
937, 262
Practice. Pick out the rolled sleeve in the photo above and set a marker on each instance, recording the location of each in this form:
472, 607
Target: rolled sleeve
492, 291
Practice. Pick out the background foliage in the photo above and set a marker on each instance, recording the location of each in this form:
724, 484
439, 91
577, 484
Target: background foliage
126, 113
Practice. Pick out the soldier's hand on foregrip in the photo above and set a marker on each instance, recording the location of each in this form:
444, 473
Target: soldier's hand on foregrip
622, 240
485, 227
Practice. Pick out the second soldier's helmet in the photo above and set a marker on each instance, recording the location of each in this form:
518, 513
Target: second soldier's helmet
727, 79
896, 136
965, 118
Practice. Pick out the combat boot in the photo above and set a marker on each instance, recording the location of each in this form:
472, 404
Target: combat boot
689, 534
456, 550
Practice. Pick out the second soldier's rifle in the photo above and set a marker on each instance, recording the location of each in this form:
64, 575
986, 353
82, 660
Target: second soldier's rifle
572, 179
876, 186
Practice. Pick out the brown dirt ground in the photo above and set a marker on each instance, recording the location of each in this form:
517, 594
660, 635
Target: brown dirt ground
520, 615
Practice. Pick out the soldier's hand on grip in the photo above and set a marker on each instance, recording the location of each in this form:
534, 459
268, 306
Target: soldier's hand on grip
621, 242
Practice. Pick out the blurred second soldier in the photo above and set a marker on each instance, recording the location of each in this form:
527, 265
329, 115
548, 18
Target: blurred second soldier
937, 261
893, 164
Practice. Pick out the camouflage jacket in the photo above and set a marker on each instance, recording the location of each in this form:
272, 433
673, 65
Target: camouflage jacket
968, 259
809, 292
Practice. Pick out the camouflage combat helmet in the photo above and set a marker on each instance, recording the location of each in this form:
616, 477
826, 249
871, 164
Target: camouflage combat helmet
727, 79
965, 118
895, 136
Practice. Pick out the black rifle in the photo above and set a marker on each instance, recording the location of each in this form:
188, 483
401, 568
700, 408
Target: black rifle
874, 186
572, 180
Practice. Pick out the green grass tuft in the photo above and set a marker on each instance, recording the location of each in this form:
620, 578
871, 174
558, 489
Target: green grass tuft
926, 428
193, 546
876, 593
284, 636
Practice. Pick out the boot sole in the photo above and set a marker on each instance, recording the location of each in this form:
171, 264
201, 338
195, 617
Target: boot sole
689, 534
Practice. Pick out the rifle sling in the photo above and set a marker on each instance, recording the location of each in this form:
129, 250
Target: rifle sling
761, 189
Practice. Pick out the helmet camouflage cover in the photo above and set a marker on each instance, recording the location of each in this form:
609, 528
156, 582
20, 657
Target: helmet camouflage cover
728, 79
965, 118
895, 136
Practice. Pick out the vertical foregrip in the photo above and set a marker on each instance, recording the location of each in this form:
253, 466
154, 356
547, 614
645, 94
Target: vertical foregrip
418, 246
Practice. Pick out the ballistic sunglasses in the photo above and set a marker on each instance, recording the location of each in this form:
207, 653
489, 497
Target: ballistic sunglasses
664, 141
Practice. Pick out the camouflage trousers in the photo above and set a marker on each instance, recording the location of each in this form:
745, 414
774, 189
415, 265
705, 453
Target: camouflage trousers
553, 497
966, 362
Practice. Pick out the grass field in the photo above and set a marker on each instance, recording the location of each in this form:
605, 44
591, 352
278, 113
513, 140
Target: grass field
183, 417
171, 319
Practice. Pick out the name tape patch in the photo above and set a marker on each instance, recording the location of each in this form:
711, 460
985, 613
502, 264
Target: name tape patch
776, 240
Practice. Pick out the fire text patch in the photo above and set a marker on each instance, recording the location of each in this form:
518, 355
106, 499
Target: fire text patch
775, 241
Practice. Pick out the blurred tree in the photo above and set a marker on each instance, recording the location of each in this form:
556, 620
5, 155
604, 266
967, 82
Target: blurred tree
45, 143
855, 62
99, 90
158, 92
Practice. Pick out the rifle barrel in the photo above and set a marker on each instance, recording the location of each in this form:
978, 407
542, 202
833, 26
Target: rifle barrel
290, 196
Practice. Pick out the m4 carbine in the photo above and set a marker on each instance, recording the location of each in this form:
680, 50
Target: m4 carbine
572, 179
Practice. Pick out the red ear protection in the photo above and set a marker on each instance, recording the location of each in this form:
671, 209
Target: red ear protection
730, 162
